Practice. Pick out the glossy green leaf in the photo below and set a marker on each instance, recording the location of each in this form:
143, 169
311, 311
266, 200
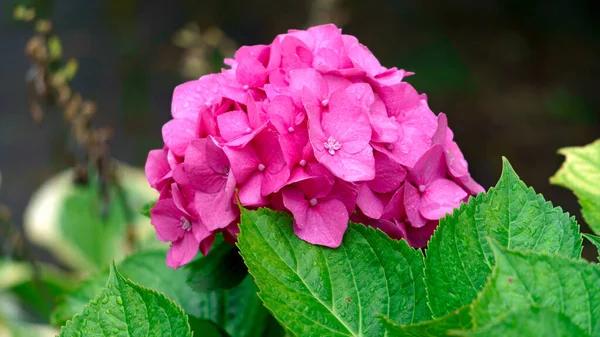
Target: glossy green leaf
124, 308
145, 210
595, 240
456, 320
228, 309
319, 291
223, 268
581, 173
459, 260
527, 321
522, 279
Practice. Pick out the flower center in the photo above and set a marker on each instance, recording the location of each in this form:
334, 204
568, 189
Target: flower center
185, 224
389, 146
324, 102
422, 188
248, 130
246, 87
291, 129
313, 202
261, 167
302, 163
225, 172
332, 145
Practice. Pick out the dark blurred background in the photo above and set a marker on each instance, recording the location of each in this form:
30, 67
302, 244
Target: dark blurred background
516, 78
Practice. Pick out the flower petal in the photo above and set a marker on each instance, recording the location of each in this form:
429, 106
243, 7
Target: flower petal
440, 198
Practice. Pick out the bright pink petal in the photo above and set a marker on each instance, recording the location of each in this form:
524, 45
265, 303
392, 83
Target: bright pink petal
369, 203
388, 174
349, 167
251, 73
244, 162
295, 201
440, 198
182, 251
309, 78
418, 237
157, 168
177, 134
431, 166
166, 218
190, 97
326, 223
218, 210
350, 127
250, 191
233, 125
412, 201
207, 243
206, 166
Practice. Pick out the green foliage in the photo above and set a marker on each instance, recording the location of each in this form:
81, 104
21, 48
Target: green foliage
527, 321
145, 210
595, 240
223, 268
318, 291
459, 259
124, 308
522, 279
237, 311
581, 173
456, 320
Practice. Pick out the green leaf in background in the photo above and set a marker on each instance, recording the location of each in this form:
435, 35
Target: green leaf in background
319, 291
145, 210
205, 328
595, 240
223, 268
581, 173
456, 320
527, 321
76, 226
459, 260
238, 311
571, 287
124, 308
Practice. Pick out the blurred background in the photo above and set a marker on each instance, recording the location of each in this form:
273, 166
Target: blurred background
516, 78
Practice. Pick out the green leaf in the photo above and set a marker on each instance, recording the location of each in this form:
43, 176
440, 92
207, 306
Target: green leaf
206, 328
223, 268
79, 228
456, 320
581, 173
238, 311
528, 321
145, 210
319, 291
521, 279
125, 308
595, 240
459, 260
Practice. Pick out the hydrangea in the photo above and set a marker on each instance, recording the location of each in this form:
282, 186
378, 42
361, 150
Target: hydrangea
311, 124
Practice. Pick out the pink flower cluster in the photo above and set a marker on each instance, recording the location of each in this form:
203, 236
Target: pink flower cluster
311, 124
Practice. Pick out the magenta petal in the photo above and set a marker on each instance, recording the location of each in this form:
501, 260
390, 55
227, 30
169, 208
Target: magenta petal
166, 218
418, 237
157, 168
295, 201
217, 210
177, 134
190, 97
182, 251
431, 166
325, 225
250, 191
244, 162
440, 198
394, 210
349, 167
412, 201
350, 127
309, 78
388, 174
251, 72
368, 202
207, 243
205, 165
233, 125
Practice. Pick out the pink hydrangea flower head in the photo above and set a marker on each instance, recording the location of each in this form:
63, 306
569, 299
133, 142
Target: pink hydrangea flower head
311, 124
